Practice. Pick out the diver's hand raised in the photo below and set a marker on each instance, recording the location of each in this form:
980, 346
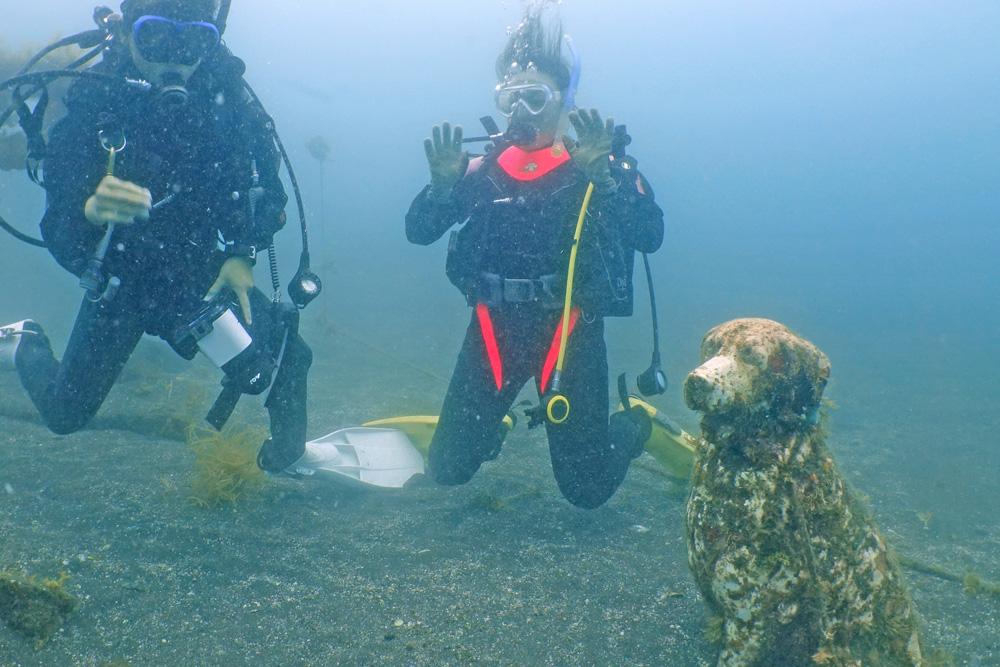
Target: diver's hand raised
590, 154
119, 202
446, 159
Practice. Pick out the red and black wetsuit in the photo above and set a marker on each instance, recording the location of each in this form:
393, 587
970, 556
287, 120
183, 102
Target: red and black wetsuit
510, 259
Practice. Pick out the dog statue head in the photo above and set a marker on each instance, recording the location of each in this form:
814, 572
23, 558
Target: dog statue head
757, 371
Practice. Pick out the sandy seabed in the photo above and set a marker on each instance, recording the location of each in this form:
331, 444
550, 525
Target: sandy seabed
501, 571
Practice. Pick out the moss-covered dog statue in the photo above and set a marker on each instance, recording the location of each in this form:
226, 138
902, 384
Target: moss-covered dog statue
793, 569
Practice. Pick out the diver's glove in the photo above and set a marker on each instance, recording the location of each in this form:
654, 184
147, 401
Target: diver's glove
591, 153
446, 159
236, 274
629, 430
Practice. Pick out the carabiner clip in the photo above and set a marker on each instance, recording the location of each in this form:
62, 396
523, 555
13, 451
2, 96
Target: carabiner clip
113, 140
113, 143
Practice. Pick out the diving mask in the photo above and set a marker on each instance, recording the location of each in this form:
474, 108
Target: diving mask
161, 40
532, 97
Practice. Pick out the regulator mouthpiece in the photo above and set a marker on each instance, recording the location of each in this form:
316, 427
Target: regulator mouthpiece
172, 93
520, 133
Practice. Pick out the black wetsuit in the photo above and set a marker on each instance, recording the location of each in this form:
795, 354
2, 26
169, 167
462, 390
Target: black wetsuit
201, 153
511, 256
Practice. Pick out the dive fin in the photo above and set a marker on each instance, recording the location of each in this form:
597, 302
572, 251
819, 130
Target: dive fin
420, 429
672, 447
10, 340
369, 456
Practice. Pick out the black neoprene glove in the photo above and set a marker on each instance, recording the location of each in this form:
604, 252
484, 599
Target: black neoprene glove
592, 151
446, 159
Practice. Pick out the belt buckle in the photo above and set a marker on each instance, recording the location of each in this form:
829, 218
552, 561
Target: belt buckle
518, 290
491, 288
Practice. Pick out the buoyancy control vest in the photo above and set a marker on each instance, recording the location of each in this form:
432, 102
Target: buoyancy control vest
516, 243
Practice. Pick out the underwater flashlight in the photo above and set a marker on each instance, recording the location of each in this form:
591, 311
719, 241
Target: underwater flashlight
652, 381
305, 285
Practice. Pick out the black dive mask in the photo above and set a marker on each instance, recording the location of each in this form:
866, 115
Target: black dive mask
162, 40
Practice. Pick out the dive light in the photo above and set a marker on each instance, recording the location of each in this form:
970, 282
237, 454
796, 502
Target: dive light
305, 285
652, 381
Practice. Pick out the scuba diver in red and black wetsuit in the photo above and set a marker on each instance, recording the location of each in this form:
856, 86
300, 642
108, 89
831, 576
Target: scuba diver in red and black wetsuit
521, 205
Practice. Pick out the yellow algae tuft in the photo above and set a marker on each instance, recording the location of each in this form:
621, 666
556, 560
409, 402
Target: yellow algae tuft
225, 465
185, 402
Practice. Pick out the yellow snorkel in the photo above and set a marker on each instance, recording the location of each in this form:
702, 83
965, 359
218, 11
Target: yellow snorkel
570, 100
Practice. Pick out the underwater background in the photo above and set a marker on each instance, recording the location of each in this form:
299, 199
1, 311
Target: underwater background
834, 166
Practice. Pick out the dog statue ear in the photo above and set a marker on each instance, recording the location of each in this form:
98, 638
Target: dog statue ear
821, 374
808, 389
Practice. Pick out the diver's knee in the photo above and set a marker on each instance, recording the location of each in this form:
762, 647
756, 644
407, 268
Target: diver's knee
586, 487
587, 498
450, 473
65, 424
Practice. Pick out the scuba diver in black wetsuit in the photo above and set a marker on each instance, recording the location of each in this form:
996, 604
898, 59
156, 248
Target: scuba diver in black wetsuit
159, 201
521, 209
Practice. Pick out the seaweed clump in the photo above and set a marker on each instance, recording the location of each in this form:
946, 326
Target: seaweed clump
975, 585
34, 608
185, 400
225, 465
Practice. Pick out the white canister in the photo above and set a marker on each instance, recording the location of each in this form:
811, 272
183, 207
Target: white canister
226, 339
